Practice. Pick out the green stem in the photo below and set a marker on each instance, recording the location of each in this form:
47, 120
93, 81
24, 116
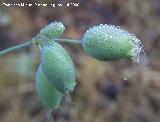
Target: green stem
34, 41
20, 46
68, 41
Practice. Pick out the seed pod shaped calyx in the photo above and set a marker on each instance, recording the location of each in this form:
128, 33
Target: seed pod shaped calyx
48, 94
108, 42
53, 30
58, 67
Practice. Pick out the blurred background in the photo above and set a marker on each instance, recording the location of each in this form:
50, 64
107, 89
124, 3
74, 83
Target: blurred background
117, 91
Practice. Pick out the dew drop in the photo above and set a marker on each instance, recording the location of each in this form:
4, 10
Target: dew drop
118, 27
74, 84
125, 76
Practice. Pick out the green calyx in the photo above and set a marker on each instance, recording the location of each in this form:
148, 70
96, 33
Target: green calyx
48, 94
107, 42
53, 30
58, 67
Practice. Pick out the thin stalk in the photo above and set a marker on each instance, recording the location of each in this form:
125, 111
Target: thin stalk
68, 41
34, 41
49, 117
11, 49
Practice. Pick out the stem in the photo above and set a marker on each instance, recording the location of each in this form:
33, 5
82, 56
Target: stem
34, 41
68, 41
20, 46
49, 117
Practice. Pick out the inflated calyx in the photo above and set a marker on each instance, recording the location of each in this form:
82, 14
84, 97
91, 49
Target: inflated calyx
58, 67
108, 42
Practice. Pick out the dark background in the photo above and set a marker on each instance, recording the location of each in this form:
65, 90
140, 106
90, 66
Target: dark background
117, 91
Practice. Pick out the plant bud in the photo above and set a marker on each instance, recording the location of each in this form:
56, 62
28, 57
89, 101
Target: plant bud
58, 67
108, 42
53, 30
48, 94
